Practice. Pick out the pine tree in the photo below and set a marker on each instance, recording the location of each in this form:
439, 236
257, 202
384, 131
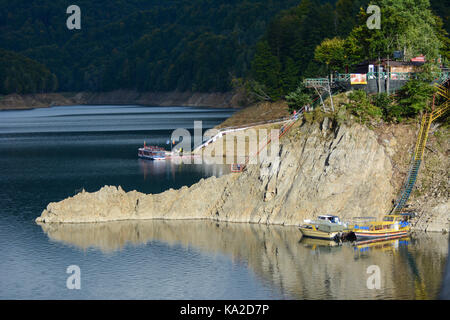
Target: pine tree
266, 69
289, 77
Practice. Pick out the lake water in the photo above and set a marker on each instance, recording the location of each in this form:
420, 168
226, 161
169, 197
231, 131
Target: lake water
49, 154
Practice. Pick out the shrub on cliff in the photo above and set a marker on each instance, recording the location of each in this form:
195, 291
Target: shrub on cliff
298, 98
415, 97
387, 104
361, 106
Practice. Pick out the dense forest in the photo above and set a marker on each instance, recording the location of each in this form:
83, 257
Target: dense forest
150, 45
286, 52
153, 45
20, 74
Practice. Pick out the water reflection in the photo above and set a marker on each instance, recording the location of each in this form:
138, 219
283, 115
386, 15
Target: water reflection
411, 268
383, 245
158, 169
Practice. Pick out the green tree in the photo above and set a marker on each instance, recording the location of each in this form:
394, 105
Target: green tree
266, 69
347, 15
333, 53
415, 96
406, 25
298, 98
289, 76
361, 106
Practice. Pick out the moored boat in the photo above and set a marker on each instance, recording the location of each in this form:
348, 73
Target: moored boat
391, 226
315, 231
327, 218
326, 227
152, 153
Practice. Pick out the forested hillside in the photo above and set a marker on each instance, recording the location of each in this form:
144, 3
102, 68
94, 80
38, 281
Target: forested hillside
286, 51
150, 45
20, 74
153, 45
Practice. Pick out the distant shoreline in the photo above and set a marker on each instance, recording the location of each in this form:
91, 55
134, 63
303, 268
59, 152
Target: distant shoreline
119, 97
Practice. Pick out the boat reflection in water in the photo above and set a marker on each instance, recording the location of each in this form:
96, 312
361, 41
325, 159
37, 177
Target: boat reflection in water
170, 168
322, 246
392, 244
319, 246
411, 268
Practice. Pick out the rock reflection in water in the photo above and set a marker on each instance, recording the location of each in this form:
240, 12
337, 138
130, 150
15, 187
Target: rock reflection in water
411, 268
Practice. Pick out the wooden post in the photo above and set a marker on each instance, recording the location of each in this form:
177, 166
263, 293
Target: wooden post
331, 96
321, 100
389, 76
379, 76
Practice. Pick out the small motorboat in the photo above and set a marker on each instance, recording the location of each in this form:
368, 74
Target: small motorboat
316, 231
326, 227
330, 218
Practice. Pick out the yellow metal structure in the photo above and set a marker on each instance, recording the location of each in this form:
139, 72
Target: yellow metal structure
423, 136
421, 143
427, 119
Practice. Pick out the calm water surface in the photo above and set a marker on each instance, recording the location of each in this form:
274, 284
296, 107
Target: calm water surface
49, 154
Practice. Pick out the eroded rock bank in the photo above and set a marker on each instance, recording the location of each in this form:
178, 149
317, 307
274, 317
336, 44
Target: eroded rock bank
320, 169
121, 97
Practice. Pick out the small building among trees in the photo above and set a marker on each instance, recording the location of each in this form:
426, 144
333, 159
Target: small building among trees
386, 75
413, 66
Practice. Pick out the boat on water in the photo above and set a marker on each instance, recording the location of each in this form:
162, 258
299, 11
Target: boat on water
152, 153
326, 227
392, 226
327, 218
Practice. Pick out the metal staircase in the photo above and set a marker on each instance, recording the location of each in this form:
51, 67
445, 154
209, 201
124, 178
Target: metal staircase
419, 150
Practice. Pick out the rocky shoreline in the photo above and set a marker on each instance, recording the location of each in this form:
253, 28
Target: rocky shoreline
321, 169
347, 170
121, 97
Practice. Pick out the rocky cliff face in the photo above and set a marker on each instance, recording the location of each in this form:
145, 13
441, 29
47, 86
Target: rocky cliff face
434, 216
320, 169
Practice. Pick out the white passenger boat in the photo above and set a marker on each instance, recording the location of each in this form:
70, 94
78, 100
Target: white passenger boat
152, 153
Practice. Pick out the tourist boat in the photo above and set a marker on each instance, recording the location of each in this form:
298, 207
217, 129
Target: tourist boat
326, 227
152, 153
391, 226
